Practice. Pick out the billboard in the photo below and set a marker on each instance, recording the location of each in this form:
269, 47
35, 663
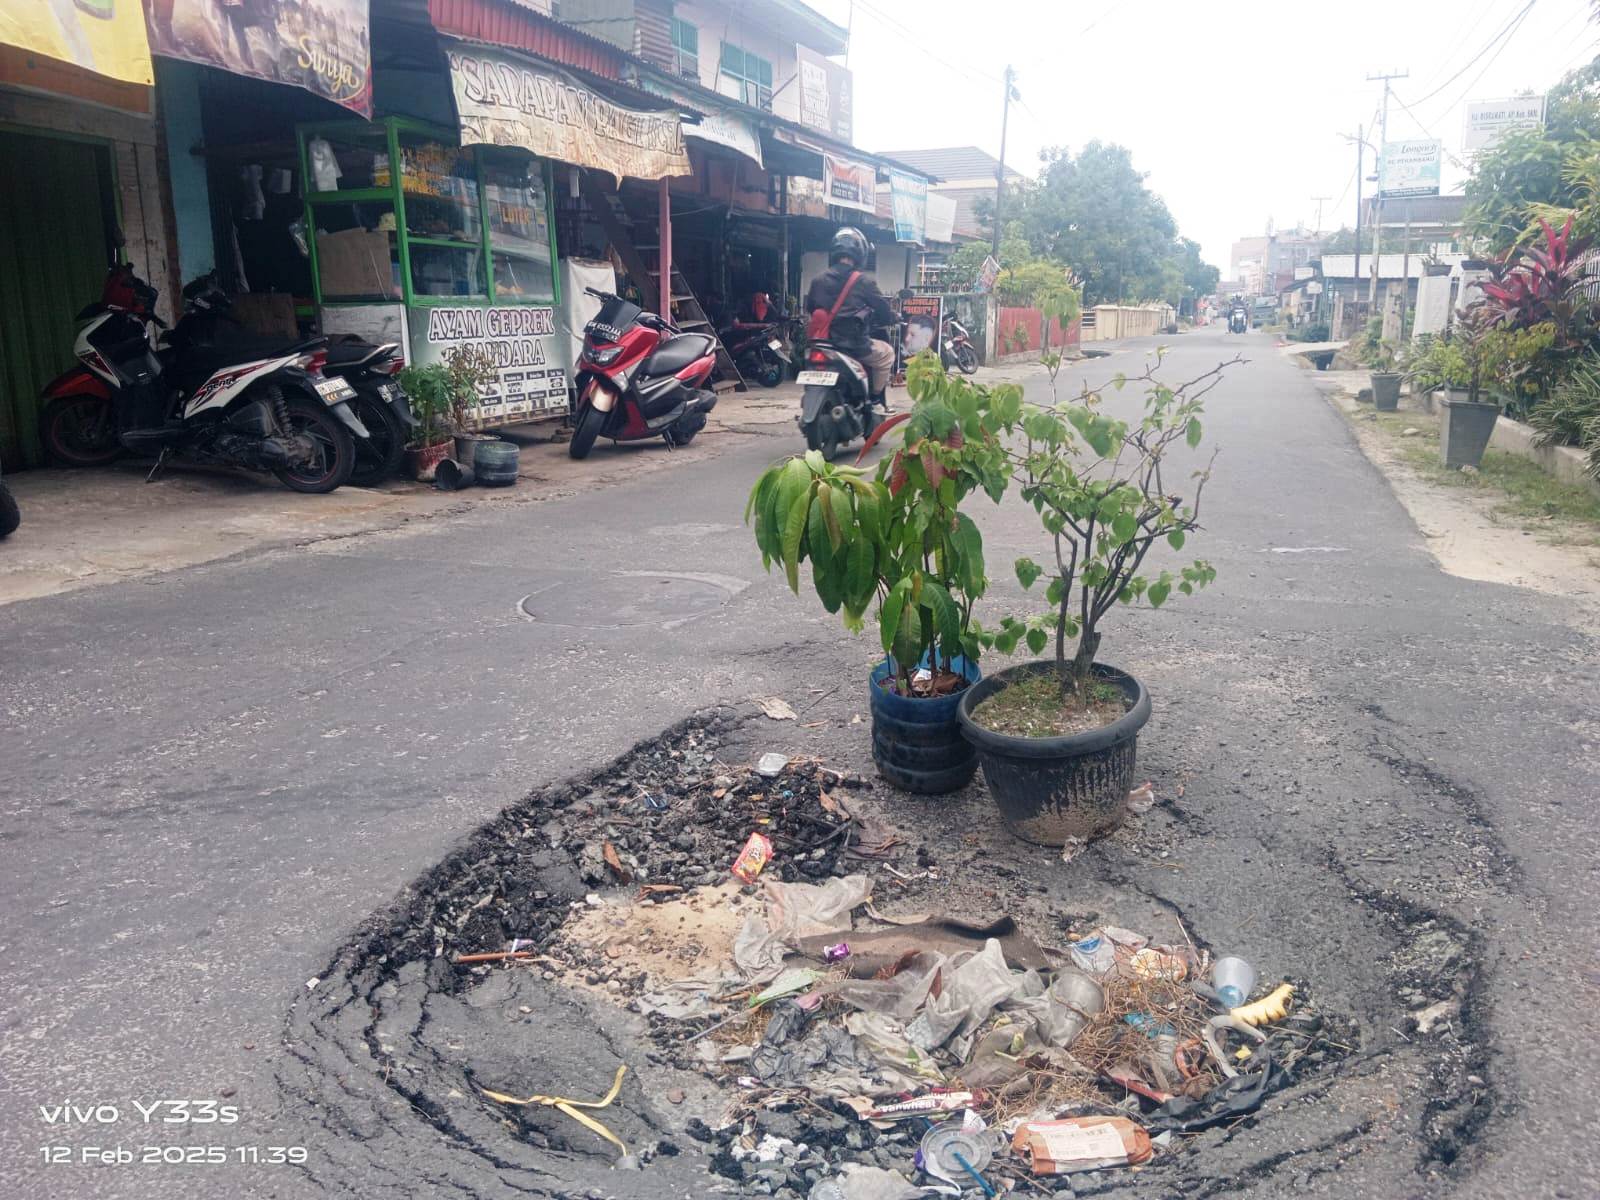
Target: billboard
825, 95
105, 37
1490, 120
1409, 168
908, 196
850, 184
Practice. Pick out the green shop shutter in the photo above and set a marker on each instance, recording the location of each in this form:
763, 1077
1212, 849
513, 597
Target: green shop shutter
53, 259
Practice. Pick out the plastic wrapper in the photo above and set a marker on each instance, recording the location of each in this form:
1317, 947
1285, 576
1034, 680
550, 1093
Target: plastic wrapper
1082, 1144
970, 993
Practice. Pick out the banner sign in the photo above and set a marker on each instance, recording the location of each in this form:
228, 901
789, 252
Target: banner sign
103, 36
988, 273
941, 218
320, 45
726, 130
850, 184
825, 95
908, 197
519, 341
1490, 120
1409, 168
504, 99
922, 317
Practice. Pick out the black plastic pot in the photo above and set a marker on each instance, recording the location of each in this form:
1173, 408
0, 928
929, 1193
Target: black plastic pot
1386, 390
1051, 789
917, 743
496, 463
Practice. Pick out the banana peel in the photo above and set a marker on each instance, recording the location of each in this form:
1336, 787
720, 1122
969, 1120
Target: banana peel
1272, 1007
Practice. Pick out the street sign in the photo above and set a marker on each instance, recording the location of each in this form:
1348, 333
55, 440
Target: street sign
1409, 168
1490, 120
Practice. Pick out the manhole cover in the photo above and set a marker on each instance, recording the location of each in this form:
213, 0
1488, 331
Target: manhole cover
629, 598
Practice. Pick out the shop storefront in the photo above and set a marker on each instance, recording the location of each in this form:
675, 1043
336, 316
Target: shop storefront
438, 246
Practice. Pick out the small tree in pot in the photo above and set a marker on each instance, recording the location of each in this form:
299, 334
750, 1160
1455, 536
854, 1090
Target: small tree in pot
1057, 739
898, 542
429, 391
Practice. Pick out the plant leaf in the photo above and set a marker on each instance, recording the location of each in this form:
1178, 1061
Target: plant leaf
1028, 571
1038, 639
1192, 434
1175, 539
794, 529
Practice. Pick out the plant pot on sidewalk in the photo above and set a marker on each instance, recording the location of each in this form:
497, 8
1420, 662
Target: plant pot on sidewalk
467, 447
917, 742
1464, 436
1052, 789
1386, 390
1436, 400
422, 461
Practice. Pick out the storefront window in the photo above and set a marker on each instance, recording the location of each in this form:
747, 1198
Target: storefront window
439, 270
338, 163
441, 190
519, 228
357, 252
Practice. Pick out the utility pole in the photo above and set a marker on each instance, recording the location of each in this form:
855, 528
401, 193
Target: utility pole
1000, 171
1383, 141
1361, 144
1320, 200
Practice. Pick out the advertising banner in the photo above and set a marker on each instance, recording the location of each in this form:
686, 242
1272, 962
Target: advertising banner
103, 36
988, 273
1490, 120
519, 341
725, 129
923, 318
320, 45
850, 184
825, 95
908, 196
941, 218
1409, 168
504, 99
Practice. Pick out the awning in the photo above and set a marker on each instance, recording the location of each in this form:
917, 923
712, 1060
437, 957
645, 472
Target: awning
507, 99
67, 51
717, 126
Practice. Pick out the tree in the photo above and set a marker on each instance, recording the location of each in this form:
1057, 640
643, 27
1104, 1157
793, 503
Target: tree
1200, 278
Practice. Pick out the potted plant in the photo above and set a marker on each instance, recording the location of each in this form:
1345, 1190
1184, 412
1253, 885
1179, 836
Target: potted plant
898, 542
428, 389
1385, 379
470, 369
1436, 369
1057, 738
1469, 421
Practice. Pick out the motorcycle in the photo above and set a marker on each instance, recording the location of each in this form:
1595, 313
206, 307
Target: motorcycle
10, 514
837, 406
269, 408
956, 347
639, 377
1238, 321
759, 351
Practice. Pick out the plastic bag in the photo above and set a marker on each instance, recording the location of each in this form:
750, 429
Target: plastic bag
971, 992
899, 996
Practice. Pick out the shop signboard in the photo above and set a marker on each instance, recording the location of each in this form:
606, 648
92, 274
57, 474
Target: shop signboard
908, 195
518, 340
504, 99
1409, 168
1490, 120
941, 218
850, 184
103, 36
922, 318
320, 45
988, 273
726, 130
825, 95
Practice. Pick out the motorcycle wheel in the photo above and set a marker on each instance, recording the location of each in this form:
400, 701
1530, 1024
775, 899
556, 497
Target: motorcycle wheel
967, 360
378, 456
827, 442
10, 514
585, 430
80, 431
771, 374
336, 451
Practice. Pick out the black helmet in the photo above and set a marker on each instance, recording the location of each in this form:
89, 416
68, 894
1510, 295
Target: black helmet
849, 243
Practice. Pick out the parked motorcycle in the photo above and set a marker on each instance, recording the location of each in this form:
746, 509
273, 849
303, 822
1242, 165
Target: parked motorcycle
759, 349
639, 377
266, 408
381, 405
957, 348
10, 514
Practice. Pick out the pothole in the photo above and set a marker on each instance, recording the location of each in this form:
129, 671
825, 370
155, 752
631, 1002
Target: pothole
662, 598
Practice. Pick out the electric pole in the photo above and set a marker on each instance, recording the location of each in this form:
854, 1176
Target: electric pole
1383, 143
1319, 200
1000, 171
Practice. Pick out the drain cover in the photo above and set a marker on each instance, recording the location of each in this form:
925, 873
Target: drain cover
664, 599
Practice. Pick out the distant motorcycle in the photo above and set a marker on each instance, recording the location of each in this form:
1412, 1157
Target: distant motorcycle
956, 347
1238, 321
10, 514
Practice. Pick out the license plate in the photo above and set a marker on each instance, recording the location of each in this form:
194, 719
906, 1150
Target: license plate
390, 391
334, 390
818, 378
775, 344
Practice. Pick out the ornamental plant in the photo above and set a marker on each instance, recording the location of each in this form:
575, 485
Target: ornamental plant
1107, 493
897, 540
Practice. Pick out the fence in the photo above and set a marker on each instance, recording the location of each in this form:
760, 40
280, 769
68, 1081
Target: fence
1020, 333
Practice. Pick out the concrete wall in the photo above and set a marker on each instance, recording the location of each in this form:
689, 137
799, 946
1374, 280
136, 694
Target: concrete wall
1113, 321
741, 27
1020, 334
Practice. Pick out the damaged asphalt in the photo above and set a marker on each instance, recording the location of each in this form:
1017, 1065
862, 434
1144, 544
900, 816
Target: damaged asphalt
224, 781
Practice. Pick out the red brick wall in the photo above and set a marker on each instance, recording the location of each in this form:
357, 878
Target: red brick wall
1030, 323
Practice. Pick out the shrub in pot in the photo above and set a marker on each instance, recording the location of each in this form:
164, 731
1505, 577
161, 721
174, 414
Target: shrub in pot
1385, 380
470, 369
428, 389
897, 542
1057, 739
1469, 422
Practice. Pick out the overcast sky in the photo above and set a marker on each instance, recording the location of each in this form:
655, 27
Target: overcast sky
1233, 109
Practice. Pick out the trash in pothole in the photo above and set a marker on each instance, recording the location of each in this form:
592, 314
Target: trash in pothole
848, 1046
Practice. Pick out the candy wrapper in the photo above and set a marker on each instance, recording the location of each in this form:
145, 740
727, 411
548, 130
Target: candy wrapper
757, 853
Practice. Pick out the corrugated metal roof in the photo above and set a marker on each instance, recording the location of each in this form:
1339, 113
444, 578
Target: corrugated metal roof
508, 23
1390, 266
952, 162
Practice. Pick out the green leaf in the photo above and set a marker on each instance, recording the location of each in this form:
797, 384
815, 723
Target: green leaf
1123, 527
844, 516
1038, 639
947, 617
815, 462
889, 615
1175, 539
1192, 434
1028, 572
1053, 593
829, 517
794, 529
859, 578
969, 545
1158, 592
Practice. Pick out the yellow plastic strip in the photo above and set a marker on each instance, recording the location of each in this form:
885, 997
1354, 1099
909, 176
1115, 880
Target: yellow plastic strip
570, 1107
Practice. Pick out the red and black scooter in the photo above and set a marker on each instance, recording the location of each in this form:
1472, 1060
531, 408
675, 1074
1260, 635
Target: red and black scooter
640, 377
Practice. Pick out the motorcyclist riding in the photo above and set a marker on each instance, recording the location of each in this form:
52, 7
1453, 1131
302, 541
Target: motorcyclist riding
864, 308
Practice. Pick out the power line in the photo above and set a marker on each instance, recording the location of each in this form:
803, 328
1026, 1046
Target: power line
1510, 35
1507, 28
891, 23
1466, 34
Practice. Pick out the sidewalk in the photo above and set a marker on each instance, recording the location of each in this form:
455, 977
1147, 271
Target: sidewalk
88, 527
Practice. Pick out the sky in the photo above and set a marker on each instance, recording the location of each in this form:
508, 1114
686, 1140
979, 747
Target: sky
1235, 110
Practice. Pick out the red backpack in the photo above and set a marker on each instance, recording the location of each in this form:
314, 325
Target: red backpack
821, 323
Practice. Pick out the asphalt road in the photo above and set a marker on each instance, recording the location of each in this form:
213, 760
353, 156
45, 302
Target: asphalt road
213, 776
